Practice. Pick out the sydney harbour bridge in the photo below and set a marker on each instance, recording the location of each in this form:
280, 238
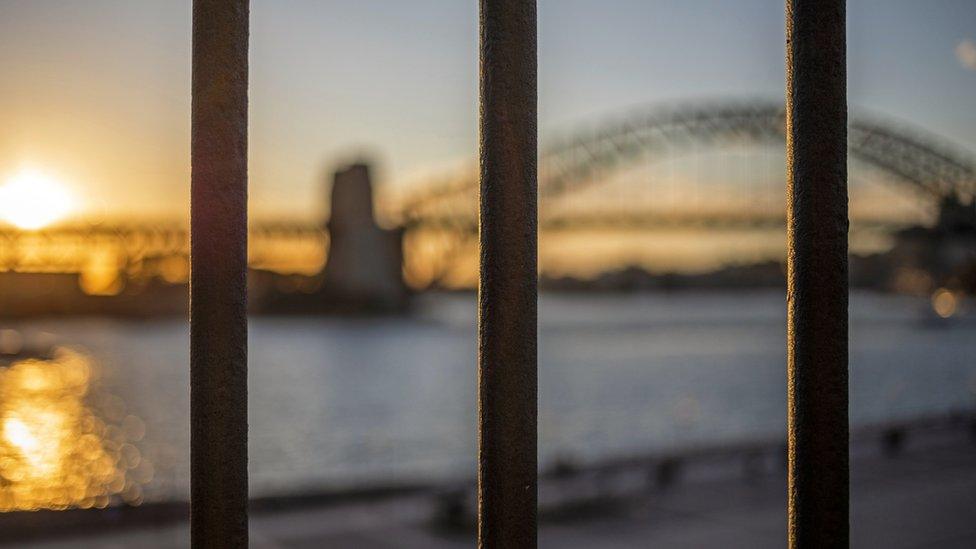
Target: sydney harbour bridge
578, 191
581, 188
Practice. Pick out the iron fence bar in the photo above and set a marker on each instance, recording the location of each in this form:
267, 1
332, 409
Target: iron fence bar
218, 279
817, 227
507, 309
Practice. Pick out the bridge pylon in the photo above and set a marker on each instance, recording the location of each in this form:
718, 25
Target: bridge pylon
365, 261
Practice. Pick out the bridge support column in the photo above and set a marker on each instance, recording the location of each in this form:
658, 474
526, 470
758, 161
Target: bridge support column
817, 226
508, 278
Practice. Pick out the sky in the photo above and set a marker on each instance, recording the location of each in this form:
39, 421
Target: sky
95, 93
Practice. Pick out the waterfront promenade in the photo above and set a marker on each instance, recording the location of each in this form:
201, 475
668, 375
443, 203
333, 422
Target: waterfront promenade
925, 496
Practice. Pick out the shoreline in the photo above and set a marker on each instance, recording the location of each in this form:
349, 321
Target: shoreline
567, 489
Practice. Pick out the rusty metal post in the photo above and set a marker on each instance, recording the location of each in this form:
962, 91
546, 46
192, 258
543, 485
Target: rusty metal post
507, 307
817, 225
218, 276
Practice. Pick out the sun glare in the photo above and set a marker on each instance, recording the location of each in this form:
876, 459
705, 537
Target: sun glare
33, 200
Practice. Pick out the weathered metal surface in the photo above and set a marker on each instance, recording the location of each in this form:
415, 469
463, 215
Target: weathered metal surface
817, 226
218, 253
507, 475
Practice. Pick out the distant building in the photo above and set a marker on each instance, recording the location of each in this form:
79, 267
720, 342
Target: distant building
57, 294
924, 258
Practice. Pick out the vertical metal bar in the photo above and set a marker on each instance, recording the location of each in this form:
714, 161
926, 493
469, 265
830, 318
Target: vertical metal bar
218, 279
507, 307
817, 225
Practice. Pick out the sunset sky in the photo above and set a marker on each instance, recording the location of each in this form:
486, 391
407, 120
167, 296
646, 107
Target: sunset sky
95, 93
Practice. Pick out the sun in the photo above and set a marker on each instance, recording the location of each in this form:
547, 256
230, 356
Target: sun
33, 200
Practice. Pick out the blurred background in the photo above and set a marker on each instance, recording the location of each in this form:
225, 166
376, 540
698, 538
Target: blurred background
662, 246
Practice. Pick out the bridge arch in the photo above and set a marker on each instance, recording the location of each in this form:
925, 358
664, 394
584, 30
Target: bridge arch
927, 164
919, 161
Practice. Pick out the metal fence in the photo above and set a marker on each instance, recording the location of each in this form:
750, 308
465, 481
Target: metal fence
218, 275
507, 358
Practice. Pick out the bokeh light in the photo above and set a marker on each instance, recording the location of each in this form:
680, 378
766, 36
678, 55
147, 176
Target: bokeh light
56, 452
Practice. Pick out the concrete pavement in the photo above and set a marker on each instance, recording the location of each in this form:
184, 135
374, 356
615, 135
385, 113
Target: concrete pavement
923, 497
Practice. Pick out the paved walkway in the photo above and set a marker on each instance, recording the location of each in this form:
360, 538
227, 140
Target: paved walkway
925, 497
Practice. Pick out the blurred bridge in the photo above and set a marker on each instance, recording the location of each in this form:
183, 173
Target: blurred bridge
916, 161
580, 190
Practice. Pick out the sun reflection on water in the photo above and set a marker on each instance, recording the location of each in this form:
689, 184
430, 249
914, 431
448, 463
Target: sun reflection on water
56, 451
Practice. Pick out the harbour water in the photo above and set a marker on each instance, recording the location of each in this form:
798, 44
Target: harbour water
346, 402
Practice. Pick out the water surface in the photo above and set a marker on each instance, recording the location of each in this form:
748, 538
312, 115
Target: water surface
338, 402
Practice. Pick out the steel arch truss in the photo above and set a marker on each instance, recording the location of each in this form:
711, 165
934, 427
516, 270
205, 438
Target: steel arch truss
919, 161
